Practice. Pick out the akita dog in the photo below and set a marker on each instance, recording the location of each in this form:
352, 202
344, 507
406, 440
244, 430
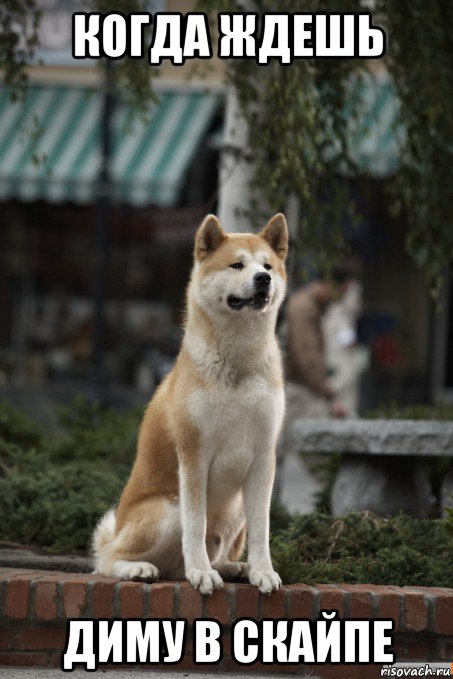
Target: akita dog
206, 451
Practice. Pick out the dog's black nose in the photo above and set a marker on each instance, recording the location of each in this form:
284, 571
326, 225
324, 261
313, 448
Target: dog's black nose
262, 279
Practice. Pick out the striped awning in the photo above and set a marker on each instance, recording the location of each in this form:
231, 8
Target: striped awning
375, 136
50, 145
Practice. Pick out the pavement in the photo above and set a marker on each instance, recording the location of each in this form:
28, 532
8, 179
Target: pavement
42, 673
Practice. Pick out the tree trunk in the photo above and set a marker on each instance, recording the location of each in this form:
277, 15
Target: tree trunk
236, 169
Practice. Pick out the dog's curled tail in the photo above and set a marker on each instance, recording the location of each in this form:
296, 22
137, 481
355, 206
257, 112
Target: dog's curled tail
102, 543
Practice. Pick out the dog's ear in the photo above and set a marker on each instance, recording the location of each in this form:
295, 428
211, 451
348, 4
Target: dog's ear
276, 234
208, 238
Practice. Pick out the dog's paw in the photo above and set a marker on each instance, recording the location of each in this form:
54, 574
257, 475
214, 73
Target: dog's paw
135, 570
237, 570
204, 580
267, 581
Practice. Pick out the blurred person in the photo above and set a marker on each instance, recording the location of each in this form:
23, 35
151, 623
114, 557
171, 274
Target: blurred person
310, 393
346, 359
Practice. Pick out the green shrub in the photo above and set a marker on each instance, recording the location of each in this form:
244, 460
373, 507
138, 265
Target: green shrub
92, 433
364, 548
54, 490
391, 410
54, 506
16, 427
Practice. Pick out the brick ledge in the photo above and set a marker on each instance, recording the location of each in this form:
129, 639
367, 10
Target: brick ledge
35, 605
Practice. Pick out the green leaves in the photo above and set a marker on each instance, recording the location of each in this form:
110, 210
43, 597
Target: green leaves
19, 37
294, 112
54, 488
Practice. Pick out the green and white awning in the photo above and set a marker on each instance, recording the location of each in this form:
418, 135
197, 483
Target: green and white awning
50, 145
375, 137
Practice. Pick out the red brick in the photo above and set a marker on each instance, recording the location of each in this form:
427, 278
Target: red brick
218, 606
161, 605
74, 599
331, 599
444, 615
17, 597
399, 649
229, 665
41, 638
6, 637
273, 605
46, 600
433, 591
55, 660
103, 598
42, 645
415, 612
53, 576
302, 601
226, 643
85, 578
247, 601
188, 646
389, 608
187, 663
7, 572
360, 601
417, 649
444, 649
24, 659
189, 602
131, 600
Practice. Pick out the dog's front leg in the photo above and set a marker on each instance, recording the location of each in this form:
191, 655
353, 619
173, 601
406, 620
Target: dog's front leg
193, 486
257, 501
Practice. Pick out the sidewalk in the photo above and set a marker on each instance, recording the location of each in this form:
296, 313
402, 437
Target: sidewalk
42, 673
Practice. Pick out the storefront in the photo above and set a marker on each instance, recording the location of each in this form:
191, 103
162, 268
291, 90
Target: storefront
163, 178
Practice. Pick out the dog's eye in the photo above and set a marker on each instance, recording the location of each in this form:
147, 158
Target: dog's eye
268, 267
237, 265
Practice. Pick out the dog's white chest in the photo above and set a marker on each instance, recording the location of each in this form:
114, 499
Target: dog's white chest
226, 413
235, 424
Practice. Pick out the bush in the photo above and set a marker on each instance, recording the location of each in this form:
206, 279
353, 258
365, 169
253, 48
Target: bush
94, 434
53, 490
391, 410
18, 428
361, 547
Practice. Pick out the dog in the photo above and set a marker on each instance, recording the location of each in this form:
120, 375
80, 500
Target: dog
205, 463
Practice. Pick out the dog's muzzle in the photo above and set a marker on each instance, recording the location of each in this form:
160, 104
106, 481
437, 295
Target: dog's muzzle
260, 298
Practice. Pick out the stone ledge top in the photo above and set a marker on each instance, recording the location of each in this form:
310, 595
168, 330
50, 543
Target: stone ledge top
374, 437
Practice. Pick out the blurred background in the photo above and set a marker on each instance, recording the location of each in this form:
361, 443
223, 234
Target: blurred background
98, 207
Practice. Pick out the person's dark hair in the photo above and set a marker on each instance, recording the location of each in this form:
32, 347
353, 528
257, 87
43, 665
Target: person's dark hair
340, 274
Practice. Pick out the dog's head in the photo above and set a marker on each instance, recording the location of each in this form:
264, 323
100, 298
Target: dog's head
240, 273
